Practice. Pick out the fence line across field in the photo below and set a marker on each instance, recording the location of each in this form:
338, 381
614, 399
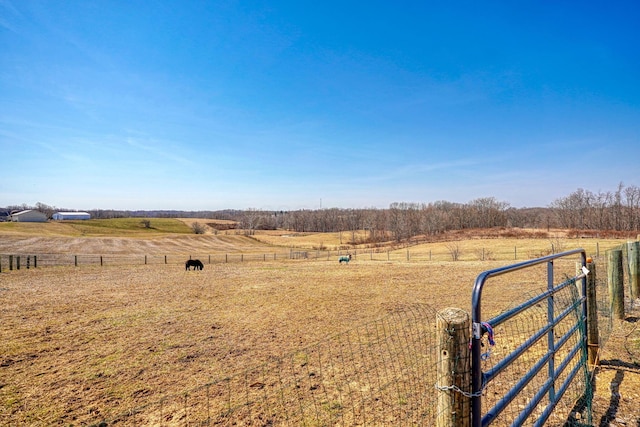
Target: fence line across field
10, 261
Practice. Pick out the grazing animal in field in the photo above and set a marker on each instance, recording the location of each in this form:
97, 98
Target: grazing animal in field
346, 259
195, 263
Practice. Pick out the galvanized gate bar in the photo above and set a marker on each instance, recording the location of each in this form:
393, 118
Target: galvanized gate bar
506, 361
548, 385
490, 374
563, 388
477, 378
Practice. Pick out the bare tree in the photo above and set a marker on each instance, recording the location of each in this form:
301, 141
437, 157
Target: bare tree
198, 228
250, 220
454, 250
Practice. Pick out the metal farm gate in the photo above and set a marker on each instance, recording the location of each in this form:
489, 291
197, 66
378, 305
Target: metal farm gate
538, 375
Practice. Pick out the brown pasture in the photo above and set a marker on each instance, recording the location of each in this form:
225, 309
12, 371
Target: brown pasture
80, 344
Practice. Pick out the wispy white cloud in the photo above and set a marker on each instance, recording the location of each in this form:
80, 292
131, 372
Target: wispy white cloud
156, 148
8, 11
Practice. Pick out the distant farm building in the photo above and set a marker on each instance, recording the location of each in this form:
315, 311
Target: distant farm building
59, 216
29, 215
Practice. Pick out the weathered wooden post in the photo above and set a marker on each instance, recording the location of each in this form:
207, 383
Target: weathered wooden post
75, 257
18, 262
28, 262
633, 259
101, 263
593, 339
35, 261
454, 368
615, 282
10, 262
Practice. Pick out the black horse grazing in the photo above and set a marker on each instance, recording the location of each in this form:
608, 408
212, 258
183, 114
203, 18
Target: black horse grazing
195, 263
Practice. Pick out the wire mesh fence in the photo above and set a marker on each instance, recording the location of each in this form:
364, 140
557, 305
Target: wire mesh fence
380, 373
605, 303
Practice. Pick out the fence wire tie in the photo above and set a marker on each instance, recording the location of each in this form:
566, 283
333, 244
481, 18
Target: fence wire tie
459, 390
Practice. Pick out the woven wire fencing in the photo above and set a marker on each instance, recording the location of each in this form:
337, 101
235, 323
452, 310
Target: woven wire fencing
380, 373
605, 314
574, 406
605, 307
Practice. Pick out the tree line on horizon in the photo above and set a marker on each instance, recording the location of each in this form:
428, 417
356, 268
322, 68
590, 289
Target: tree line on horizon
617, 210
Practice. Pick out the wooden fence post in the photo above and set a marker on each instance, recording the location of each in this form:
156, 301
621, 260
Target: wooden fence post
593, 339
633, 259
615, 281
18, 262
35, 261
454, 368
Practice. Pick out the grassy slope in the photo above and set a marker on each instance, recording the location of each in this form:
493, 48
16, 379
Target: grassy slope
120, 227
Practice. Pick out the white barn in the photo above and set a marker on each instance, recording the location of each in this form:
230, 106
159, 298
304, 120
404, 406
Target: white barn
29, 215
58, 216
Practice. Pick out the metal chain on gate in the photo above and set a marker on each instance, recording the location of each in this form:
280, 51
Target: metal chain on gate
458, 389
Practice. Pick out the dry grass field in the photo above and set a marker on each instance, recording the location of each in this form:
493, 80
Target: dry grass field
80, 344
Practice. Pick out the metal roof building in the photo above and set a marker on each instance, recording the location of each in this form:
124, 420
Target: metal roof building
71, 215
29, 215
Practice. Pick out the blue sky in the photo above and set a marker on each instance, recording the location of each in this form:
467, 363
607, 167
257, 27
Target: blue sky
290, 104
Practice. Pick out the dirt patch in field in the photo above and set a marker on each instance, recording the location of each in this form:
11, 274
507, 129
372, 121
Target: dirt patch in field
211, 226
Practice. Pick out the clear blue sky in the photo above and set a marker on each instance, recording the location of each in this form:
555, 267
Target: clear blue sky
291, 104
